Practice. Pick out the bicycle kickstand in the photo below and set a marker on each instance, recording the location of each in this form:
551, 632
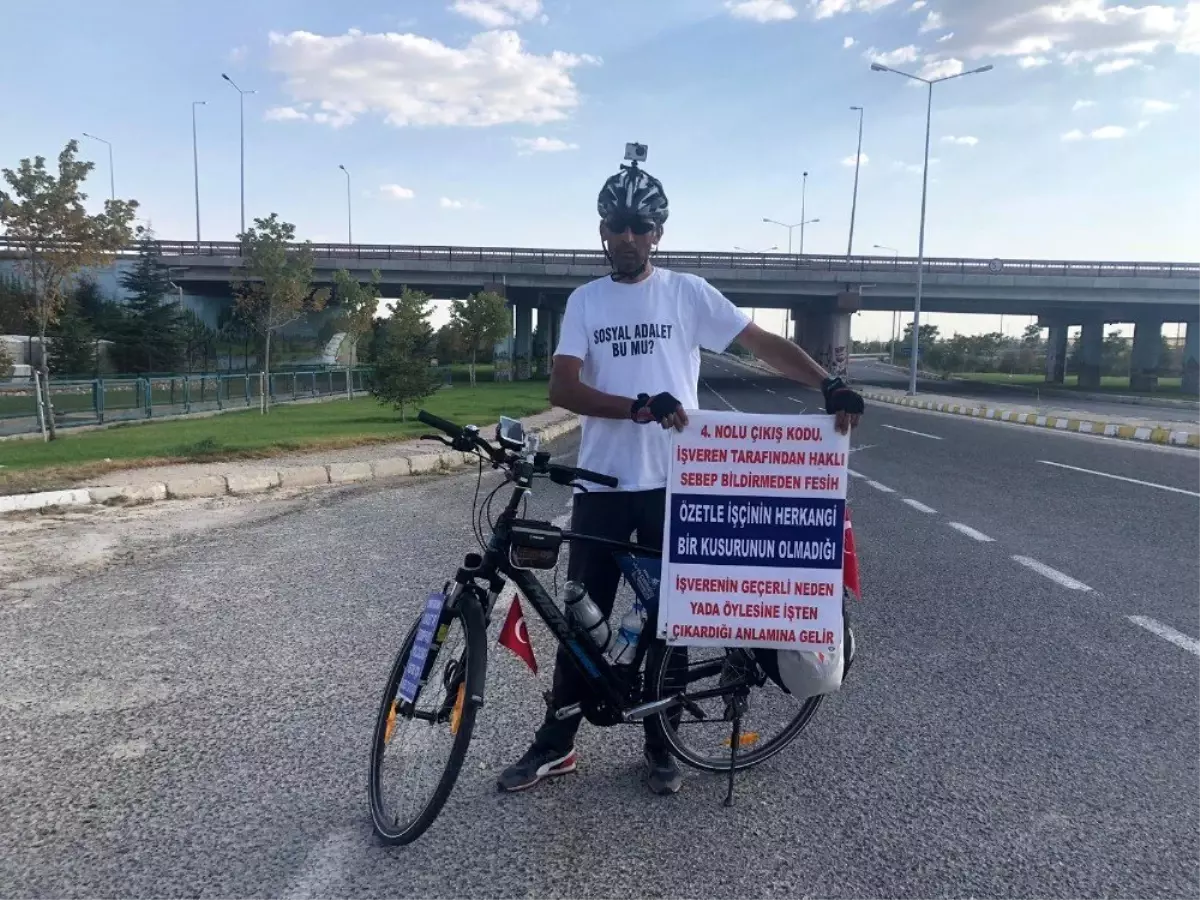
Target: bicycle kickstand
733, 749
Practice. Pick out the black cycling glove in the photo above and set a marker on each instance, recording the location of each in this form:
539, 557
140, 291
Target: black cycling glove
839, 398
660, 405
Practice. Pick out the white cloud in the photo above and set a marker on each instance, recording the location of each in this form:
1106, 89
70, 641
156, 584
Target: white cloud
412, 80
285, 114
933, 22
396, 192
945, 37
918, 4
895, 57
1082, 104
1104, 133
862, 158
825, 9
447, 203
238, 54
913, 168
965, 140
1032, 62
498, 13
1070, 32
1151, 107
761, 10
543, 145
848, 42
1116, 65
940, 68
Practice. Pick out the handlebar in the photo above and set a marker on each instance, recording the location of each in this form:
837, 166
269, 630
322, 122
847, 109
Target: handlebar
468, 440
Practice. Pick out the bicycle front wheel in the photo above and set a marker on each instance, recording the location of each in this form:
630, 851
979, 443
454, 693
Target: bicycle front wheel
419, 747
772, 718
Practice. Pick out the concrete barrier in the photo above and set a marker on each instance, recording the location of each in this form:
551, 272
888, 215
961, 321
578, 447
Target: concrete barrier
252, 482
204, 486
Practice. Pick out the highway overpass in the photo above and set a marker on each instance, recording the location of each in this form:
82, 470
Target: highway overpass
820, 291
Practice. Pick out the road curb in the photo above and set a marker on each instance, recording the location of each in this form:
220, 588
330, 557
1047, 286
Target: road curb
1143, 433
266, 479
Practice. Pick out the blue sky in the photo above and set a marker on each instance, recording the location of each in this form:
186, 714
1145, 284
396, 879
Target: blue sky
495, 121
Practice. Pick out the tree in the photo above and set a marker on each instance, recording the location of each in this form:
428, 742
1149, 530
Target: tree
44, 215
402, 372
277, 288
358, 303
448, 344
151, 339
197, 341
16, 306
72, 346
481, 319
6, 362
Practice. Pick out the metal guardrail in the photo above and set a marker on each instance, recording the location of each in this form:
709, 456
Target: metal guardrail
704, 260
98, 401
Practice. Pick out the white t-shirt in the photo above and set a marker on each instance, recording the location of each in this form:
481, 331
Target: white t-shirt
642, 338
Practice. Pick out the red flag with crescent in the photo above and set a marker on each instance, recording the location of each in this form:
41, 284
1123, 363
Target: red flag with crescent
515, 635
850, 560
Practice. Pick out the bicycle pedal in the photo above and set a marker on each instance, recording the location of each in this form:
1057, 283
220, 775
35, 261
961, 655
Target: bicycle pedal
568, 712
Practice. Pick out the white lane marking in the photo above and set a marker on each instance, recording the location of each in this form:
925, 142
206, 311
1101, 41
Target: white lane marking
722, 399
1161, 487
768, 390
1053, 574
918, 505
970, 532
854, 474
795, 399
932, 437
1167, 633
324, 869
880, 487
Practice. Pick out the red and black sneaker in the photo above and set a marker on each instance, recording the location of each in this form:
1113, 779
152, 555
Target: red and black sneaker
537, 763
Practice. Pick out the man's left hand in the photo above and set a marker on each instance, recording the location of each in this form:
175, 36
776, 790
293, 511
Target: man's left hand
840, 401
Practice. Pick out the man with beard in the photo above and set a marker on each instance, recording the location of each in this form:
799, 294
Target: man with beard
629, 358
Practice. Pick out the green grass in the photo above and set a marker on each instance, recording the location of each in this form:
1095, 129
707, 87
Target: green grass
1116, 384
32, 464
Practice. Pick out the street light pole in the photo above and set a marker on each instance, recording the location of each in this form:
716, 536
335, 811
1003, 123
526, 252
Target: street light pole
857, 163
242, 141
196, 164
349, 215
112, 179
929, 82
803, 196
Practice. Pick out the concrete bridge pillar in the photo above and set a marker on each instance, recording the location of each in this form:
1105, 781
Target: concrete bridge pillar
1091, 352
1056, 354
1191, 359
523, 348
1147, 351
825, 336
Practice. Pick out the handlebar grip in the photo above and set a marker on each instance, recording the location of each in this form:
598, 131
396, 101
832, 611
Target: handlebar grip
596, 477
449, 427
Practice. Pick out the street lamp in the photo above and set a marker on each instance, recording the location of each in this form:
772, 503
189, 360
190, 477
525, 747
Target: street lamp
349, 217
242, 140
196, 164
112, 181
857, 162
878, 67
790, 227
895, 313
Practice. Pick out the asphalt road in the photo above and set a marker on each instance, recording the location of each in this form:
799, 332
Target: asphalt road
199, 725
872, 372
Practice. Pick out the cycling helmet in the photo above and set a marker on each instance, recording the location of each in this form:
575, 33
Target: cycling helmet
633, 191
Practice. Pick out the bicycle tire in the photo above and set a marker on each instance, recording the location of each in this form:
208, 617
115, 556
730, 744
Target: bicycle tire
475, 653
656, 673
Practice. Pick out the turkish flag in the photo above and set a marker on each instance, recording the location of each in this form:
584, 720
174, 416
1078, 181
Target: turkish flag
850, 560
515, 635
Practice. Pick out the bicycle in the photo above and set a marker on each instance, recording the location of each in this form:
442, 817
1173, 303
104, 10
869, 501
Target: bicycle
516, 548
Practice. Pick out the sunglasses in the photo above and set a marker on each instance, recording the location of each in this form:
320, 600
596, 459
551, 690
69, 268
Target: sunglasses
618, 223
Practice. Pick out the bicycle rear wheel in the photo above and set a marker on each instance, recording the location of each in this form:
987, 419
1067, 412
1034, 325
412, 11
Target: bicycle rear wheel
772, 720
405, 799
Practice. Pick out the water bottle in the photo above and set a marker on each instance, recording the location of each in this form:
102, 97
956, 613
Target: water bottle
624, 648
586, 614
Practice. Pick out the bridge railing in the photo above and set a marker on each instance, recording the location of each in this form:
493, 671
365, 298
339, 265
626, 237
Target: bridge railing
368, 253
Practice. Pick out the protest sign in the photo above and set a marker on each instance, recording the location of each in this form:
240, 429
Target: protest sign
753, 537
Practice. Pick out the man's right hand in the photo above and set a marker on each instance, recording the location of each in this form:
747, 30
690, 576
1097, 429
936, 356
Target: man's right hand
662, 408
842, 402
